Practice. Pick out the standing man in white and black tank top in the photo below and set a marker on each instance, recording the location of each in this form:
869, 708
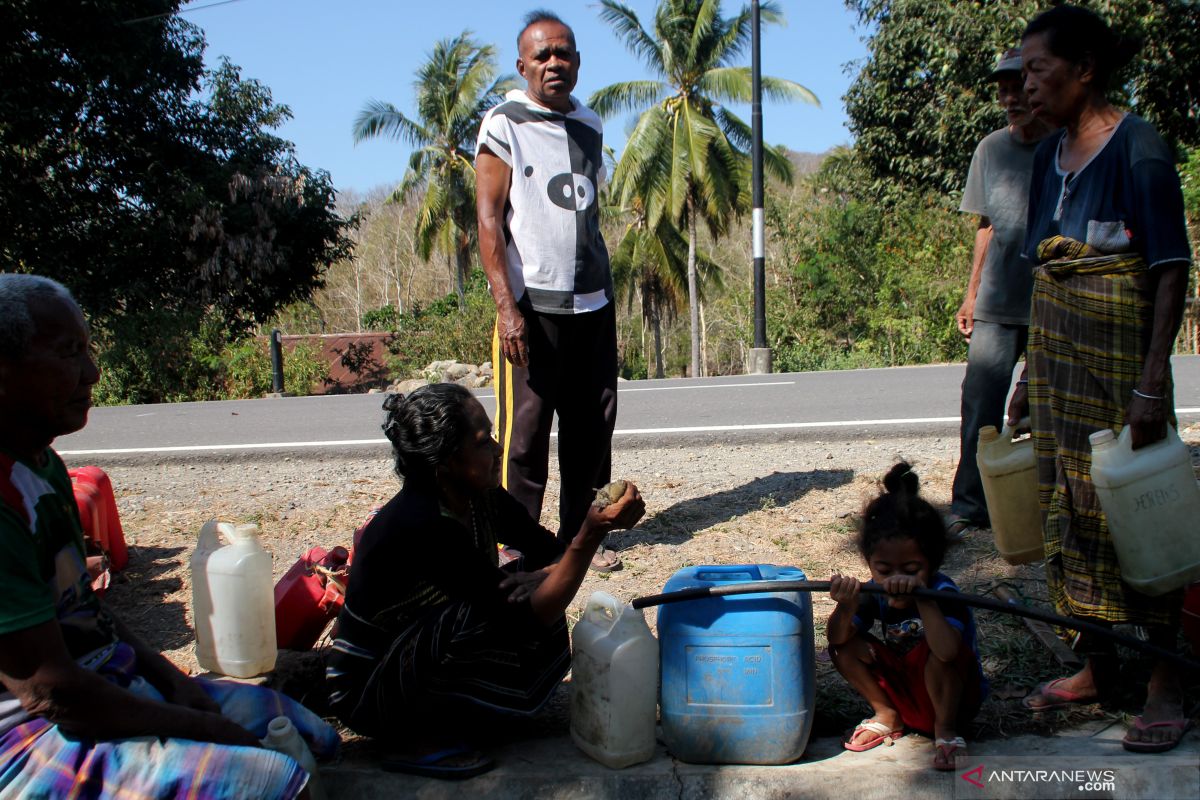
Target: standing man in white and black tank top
539, 166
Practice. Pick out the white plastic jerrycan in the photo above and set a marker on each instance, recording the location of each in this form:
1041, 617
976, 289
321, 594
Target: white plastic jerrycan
282, 737
1152, 502
233, 604
614, 683
1008, 469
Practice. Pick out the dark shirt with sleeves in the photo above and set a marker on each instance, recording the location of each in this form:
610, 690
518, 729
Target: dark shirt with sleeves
902, 629
1127, 198
413, 558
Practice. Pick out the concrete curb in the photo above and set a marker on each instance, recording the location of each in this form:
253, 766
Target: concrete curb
553, 768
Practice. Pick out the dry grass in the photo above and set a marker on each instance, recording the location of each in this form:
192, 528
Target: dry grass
711, 505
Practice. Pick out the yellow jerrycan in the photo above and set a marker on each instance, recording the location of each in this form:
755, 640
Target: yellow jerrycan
1008, 469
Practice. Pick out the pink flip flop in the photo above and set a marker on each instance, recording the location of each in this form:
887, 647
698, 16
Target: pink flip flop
1135, 746
1056, 697
883, 735
946, 750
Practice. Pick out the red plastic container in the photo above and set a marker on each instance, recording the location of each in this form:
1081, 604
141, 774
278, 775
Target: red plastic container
306, 600
106, 530
91, 514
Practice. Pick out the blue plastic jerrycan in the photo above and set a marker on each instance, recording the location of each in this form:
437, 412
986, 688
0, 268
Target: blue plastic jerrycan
737, 671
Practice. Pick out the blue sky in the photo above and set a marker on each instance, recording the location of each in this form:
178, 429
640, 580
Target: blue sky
325, 59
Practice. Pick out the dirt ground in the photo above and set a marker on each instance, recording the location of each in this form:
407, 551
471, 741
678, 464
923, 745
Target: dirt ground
789, 503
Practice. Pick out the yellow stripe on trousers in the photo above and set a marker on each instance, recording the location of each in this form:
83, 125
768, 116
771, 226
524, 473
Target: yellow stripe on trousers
502, 369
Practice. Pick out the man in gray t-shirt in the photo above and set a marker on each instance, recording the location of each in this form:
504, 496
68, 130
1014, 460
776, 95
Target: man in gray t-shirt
994, 316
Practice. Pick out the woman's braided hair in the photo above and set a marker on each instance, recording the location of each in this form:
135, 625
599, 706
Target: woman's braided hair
426, 427
901, 513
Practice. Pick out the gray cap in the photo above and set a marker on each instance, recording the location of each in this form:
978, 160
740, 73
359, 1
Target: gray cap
1009, 62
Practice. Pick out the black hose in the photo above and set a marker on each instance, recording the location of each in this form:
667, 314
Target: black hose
756, 587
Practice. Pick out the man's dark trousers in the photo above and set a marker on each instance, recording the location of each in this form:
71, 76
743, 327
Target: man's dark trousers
994, 351
572, 371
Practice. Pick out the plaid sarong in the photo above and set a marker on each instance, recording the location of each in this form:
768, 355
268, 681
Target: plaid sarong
37, 760
1088, 336
462, 657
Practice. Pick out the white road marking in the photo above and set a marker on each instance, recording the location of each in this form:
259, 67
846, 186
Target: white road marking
783, 426
679, 388
208, 448
706, 386
766, 426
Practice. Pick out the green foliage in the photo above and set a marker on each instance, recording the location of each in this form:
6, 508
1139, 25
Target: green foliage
170, 357
864, 285
159, 356
445, 330
455, 87
143, 182
247, 368
922, 99
1189, 178
384, 318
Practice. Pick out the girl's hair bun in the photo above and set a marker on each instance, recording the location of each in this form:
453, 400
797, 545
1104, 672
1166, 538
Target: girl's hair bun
901, 513
902, 480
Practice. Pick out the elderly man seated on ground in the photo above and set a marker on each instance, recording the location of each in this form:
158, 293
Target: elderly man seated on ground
86, 709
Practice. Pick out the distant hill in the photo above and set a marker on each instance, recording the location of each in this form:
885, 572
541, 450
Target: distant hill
806, 163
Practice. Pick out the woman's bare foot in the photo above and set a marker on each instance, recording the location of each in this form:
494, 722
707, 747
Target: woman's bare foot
1081, 688
888, 718
1162, 723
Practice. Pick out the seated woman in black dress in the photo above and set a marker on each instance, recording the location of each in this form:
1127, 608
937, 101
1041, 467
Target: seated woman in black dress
433, 631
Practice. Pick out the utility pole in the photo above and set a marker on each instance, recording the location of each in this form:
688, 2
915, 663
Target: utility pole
760, 354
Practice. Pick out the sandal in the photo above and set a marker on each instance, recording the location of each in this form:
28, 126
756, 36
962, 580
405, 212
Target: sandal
457, 762
883, 735
605, 560
1056, 697
946, 750
1138, 746
957, 529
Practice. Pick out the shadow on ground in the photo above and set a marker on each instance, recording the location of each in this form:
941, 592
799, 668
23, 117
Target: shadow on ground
678, 523
137, 594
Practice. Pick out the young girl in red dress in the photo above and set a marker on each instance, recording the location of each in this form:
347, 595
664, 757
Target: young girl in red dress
922, 671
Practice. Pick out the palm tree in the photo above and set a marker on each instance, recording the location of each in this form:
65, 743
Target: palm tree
455, 87
652, 263
687, 155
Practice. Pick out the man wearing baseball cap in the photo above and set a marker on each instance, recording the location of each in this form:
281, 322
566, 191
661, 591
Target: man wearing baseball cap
994, 316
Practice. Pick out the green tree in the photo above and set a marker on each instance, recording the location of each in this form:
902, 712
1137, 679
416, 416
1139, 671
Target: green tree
143, 182
686, 157
922, 99
455, 87
651, 263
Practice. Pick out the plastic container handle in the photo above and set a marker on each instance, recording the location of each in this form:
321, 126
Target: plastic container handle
603, 609
239, 533
1007, 431
1125, 439
737, 574
210, 536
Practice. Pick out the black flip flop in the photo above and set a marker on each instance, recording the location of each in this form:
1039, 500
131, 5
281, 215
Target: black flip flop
431, 766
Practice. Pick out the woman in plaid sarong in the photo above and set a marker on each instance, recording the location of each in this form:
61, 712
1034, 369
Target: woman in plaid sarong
1106, 231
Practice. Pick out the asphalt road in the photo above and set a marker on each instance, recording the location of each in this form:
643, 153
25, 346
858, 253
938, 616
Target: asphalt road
675, 412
